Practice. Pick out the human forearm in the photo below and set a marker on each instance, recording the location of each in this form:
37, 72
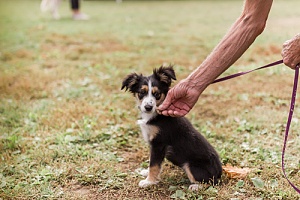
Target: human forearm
238, 39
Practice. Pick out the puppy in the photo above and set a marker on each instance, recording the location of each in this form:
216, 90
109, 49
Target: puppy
52, 6
170, 137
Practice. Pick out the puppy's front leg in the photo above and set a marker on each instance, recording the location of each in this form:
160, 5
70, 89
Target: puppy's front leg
152, 178
157, 155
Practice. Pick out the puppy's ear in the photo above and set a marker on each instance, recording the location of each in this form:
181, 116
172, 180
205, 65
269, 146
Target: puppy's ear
165, 74
131, 82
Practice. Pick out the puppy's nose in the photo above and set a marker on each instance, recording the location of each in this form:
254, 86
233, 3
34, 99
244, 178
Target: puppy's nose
148, 107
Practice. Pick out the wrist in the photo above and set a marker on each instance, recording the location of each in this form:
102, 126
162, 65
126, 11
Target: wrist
196, 84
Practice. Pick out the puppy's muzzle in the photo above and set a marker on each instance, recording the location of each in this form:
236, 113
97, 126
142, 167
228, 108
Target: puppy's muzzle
148, 108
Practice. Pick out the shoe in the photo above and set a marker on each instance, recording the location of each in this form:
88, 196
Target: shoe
81, 16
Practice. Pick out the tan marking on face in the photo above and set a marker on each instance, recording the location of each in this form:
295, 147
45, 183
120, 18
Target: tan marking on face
189, 173
143, 88
162, 96
155, 89
154, 173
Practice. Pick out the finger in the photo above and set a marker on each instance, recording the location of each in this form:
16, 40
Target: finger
160, 110
177, 113
288, 62
286, 43
182, 106
171, 113
166, 103
174, 113
165, 113
180, 113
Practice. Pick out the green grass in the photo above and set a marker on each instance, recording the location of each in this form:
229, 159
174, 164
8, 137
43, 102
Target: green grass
67, 131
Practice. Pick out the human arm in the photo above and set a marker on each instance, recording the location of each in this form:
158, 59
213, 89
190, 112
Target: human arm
291, 52
251, 23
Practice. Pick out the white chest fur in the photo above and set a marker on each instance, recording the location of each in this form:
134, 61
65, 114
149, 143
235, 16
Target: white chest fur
149, 131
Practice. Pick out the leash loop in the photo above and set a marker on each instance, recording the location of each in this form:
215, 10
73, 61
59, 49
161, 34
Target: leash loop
290, 116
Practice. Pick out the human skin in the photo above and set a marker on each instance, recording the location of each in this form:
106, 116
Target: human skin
291, 52
250, 24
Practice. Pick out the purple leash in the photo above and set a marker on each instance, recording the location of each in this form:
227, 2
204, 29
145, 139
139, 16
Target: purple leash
246, 72
292, 105
288, 124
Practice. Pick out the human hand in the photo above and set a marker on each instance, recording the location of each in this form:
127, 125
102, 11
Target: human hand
179, 100
291, 52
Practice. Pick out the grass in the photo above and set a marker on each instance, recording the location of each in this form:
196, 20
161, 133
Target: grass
68, 132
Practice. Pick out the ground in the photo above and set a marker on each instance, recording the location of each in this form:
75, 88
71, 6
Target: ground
67, 131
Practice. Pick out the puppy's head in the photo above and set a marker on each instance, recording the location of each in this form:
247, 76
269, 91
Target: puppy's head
150, 91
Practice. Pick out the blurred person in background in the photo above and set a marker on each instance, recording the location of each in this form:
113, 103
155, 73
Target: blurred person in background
77, 15
53, 7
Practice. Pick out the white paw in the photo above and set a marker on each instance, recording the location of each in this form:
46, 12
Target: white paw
195, 187
144, 172
146, 183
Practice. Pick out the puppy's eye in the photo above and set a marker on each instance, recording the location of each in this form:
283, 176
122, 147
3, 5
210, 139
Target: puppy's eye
157, 95
142, 93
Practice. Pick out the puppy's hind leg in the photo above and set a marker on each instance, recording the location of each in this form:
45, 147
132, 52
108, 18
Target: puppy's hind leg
195, 186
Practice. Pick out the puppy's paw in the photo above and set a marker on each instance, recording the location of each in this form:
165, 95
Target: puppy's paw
195, 187
146, 183
144, 172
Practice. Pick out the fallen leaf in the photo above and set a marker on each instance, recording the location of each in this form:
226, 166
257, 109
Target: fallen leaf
235, 172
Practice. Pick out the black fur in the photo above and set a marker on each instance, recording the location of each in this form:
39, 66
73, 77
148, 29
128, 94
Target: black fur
181, 143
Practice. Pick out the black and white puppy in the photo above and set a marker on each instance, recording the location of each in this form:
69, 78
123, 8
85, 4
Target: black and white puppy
171, 137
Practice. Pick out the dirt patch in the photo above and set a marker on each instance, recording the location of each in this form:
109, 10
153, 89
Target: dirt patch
81, 192
28, 83
67, 113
